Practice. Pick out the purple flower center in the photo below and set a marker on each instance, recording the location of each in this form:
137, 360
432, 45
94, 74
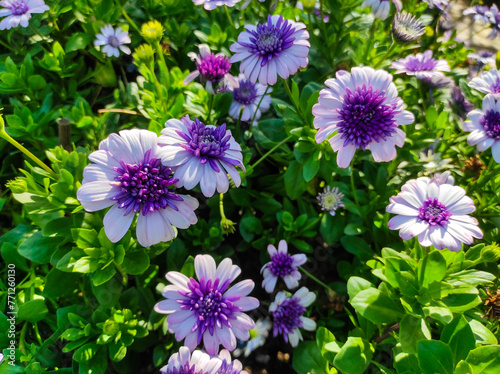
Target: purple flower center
246, 93
207, 302
227, 368
270, 40
491, 124
365, 118
113, 41
495, 87
433, 212
207, 143
18, 8
281, 264
213, 68
185, 369
415, 64
144, 187
287, 317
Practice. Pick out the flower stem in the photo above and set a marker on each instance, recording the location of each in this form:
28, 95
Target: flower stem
289, 137
163, 64
229, 17
296, 105
127, 17
238, 125
353, 187
386, 54
330, 291
422, 95
210, 105
258, 106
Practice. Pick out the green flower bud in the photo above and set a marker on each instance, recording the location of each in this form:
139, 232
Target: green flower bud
144, 54
491, 253
152, 31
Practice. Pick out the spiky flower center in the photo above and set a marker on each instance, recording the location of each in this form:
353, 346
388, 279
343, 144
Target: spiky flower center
281, 264
213, 67
491, 124
287, 317
187, 368
246, 93
406, 28
433, 212
365, 118
495, 87
420, 64
18, 7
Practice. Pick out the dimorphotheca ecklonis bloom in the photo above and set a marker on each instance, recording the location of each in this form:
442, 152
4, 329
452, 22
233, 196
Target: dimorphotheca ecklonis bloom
113, 41
258, 336
213, 70
208, 309
440, 4
282, 265
228, 366
248, 95
288, 315
488, 82
200, 153
212, 4
198, 362
19, 12
494, 16
331, 199
435, 211
484, 126
479, 12
380, 8
127, 174
421, 65
406, 28
278, 47
364, 109
483, 57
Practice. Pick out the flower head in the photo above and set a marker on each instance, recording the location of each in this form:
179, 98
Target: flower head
484, 126
144, 54
19, 12
459, 104
488, 82
128, 176
278, 47
282, 265
440, 4
207, 309
288, 315
364, 109
258, 336
479, 12
202, 154
152, 31
212, 4
435, 211
198, 362
213, 70
494, 16
421, 65
406, 28
228, 366
248, 95
330, 199
483, 57
113, 41
380, 8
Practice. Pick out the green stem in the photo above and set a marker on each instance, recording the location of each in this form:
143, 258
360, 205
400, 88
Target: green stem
221, 206
258, 105
296, 105
289, 137
353, 187
163, 64
127, 17
370, 39
37, 333
122, 272
210, 105
386, 54
330, 291
422, 95
238, 125
156, 82
22, 346
229, 17
46, 344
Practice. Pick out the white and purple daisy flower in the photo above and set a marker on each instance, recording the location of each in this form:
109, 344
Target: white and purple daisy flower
488, 82
19, 12
483, 57
278, 47
248, 95
128, 176
494, 17
198, 362
406, 28
288, 315
282, 265
421, 65
113, 41
364, 109
380, 8
440, 4
330, 199
228, 366
200, 153
258, 336
479, 12
213, 70
212, 4
484, 126
208, 309
436, 212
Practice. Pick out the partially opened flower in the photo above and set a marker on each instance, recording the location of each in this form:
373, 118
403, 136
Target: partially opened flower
380, 8
484, 126
288, 315
488, 82
278, 47
207, 309
198, 362
364, 110
19, 12
331, 199
421, 65
127, 175
113, 41
228, 366
248, 95
436, 212
200, 153
212, 4
282, 265
406, 28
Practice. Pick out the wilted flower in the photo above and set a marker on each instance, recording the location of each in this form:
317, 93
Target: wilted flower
258, 336
113, 40
364, 109
421, 65
459, 104
380, 8
248, 95
288, 315
198, 362
282, 265
127, 175
488, 82
228, 366
208, 309
484, 127
19, 12
479, 12
406, 28
435, 211
331, 199
152, 31
212, 4
213, 70
200, 153
494, 15
278, 47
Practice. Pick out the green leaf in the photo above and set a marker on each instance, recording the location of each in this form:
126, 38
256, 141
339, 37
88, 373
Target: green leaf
376, 306
356, 285
10, 255
323, 337
311, 166
406, 363
117, 351
85, 238
307, 359
461, 302
86, 352
295, 184
485, 360
273, 129
39, 248
32, 311
355, 356
103, 275
458, 335
481, 333
37, 82
431, 269
332, 228
439, 313
136, 262
463, 368
411, 331
60, 284
77, 41
357, 246
434, 356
